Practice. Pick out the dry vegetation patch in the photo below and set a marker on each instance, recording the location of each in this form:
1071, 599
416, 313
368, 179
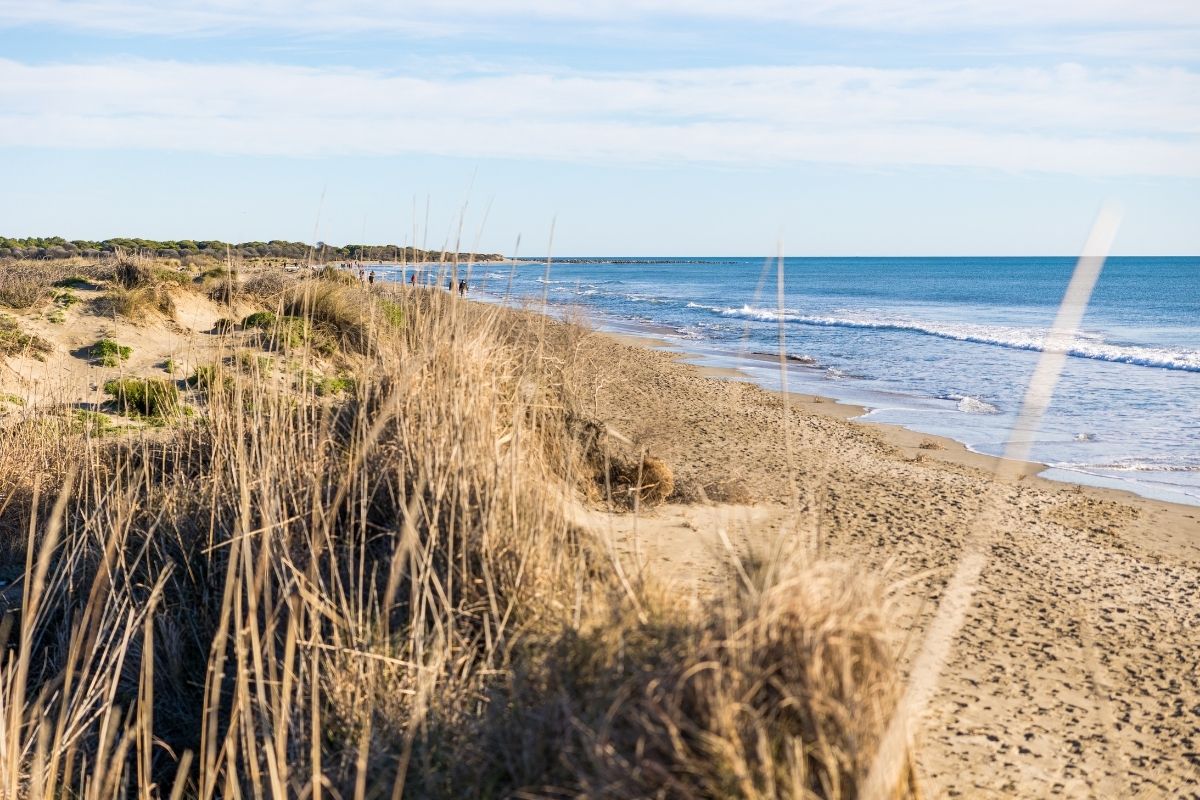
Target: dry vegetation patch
16, 342
28, 284
373, 588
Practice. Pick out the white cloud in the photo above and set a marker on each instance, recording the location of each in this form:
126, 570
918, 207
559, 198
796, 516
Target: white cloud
441, 16
1068, 119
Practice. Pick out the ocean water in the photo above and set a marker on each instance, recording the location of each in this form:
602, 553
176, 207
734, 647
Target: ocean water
938, 345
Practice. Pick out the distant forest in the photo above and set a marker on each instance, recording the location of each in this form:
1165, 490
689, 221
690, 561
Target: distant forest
56, 247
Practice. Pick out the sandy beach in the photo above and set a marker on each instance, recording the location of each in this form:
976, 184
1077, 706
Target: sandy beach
1075, 673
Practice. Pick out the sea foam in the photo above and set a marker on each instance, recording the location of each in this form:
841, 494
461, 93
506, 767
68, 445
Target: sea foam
1090, 347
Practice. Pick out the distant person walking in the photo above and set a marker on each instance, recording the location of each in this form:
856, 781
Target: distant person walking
462, 287
413, 278
371, 278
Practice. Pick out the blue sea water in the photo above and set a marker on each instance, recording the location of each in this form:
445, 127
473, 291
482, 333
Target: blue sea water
940, 345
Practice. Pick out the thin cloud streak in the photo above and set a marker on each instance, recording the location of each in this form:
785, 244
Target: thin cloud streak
443, 17
1067, 119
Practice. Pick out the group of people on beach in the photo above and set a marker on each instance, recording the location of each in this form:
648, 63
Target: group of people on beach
368, 277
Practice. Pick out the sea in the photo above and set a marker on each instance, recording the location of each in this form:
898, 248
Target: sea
944, 346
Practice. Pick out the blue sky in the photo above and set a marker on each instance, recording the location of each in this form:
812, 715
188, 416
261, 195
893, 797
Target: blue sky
837, 127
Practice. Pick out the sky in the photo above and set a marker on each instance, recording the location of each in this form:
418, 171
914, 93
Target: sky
606, 127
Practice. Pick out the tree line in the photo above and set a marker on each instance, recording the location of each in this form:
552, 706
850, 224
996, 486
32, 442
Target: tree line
56, 247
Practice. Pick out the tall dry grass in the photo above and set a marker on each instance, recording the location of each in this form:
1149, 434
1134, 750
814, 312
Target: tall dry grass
385, 596
25, 284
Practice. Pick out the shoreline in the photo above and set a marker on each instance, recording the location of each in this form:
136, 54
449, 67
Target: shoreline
1177, 516
1083, 607
654, 336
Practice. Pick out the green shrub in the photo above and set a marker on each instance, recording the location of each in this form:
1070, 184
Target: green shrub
285, 332
336, 385
260, 319
14, 341
109, 353
73, 282
392, 312
172, 276
57, 316
170, 366
208, 376
224, 325
14, 399
221, 272
253, 362
66, 298
150, 397
93, 422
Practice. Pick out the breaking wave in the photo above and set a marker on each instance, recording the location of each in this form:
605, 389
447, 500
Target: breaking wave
1012, 338
973, 405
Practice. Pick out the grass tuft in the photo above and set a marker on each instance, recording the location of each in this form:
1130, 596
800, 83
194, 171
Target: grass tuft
208, 377
340, 384
148, 397
16, 342
133, 274
134, 303
109, 353
73, 282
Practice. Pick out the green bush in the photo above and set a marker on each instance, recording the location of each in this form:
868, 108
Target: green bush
330, 386
392, 312
224, 325
109, 353
93, 422
150, 397
221, 272
174, 276
73, 282
208, 376
253, 362
260, 319
286, 332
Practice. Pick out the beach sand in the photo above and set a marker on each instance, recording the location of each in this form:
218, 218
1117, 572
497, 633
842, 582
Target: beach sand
1076, 672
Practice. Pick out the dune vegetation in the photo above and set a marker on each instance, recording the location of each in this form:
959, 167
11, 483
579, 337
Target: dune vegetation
356, 567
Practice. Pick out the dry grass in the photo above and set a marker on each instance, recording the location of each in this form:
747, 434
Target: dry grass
16, 342
27, 284
379, 594
139, 285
